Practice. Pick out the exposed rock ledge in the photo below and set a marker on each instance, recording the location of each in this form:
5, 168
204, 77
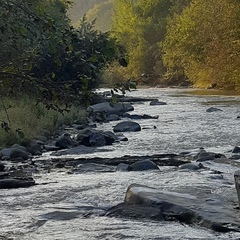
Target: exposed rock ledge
194, 209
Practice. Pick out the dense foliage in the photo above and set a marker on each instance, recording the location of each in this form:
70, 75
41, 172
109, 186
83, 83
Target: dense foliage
204, 42
43, 56
141, 27
175, 40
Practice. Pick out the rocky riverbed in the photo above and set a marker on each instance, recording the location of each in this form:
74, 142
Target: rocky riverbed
148, 180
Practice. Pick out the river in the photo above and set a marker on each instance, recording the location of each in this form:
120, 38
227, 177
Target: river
72, 206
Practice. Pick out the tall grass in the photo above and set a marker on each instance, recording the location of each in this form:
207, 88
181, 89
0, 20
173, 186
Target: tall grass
22, 120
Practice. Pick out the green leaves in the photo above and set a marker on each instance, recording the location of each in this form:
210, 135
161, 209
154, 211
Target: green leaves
201, 42
140, 26
43, 56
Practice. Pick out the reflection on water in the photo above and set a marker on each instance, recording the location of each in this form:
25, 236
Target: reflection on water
72, 207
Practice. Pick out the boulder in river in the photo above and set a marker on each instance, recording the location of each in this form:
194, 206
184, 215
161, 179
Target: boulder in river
146, 202
203, 155
65, 141
214, 109
136, 116
107, 108
191, 166
35, 147
15, 152
94, 138
143, 165
236, 149
127, 126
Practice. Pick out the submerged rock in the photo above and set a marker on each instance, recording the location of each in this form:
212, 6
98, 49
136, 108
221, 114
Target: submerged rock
214, 109
136, 116
15, 183
93, 167
157, 102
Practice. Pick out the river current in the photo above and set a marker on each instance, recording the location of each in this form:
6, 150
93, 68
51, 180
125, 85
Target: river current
71, 206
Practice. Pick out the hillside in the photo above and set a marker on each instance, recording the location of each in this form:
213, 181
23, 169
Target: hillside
94, 9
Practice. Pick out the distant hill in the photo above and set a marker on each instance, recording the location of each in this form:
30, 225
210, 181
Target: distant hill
100, 10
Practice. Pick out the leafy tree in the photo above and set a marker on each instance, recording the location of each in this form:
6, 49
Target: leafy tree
203, 41
45, 57
141, 27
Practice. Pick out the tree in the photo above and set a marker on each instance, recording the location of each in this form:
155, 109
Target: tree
45, 57
140, 26
203, 41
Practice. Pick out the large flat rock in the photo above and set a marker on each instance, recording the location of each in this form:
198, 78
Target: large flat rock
195, 208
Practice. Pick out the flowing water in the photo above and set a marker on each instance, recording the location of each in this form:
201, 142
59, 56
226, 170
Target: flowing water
72, 206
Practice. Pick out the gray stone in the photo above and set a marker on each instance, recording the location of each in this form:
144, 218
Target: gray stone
91, 137
107, 108
15, 183
51, 148
112, 117
135, 211
18, 153
5, 152
237, 185
136, 116
146, 202
127, 126
236, 149
214, 109
157, 102
191, 166
35, 147
110, 137
123, 167
97, 140
143, 165
205, 156
65, 141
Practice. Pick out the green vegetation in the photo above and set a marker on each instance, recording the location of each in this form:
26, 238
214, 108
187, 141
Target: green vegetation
204, 42
45, 58
25, 121
140, 26
177, 40
150, 41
